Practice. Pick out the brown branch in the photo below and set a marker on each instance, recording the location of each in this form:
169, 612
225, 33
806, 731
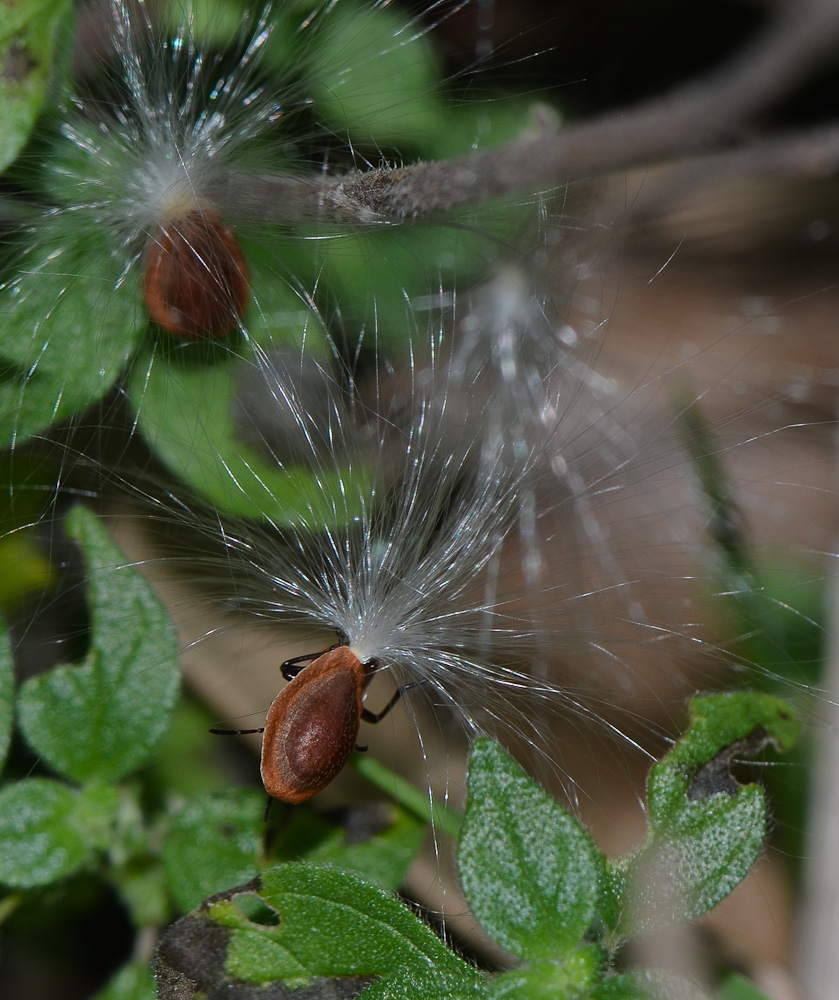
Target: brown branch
700, 116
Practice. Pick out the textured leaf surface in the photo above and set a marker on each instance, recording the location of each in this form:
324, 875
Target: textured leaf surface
70, 324
531, 874
41, 839
213, 843
706, 830
330, 923
102, 717
7, 693
28, 31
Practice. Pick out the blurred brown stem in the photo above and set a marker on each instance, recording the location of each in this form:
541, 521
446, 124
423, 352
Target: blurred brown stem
702, 116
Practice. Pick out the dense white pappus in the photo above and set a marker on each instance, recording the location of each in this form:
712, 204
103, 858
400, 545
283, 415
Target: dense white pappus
181, 116
178, 116
419, 509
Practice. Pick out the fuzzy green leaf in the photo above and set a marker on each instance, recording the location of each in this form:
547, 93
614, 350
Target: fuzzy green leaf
361, 931
41, 839
422, 985
647, 984
70, 324
133, 981
213, 843
385, 857
547, 979
7, 693
531, 874
28, 31
187, 416
737, 987
706, 830
374, 76
102, 718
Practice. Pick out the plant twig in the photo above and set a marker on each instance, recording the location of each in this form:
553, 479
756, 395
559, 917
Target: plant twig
702, 115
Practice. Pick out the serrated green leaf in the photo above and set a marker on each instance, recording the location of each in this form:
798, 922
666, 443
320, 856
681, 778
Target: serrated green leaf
70, 324
133, 981
718, 725
705, 829
361, 930
40, 840
28, 31
530, 873
7, 693
213, 843
101, 719
416, 984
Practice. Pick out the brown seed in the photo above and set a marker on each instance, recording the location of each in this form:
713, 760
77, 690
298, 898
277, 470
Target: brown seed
196, 279
312, 726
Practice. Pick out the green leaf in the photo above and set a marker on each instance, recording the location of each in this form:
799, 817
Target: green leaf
25, 570
144, 892
705, 829
213, 843
378, 273
7, 693
71, 322
96, 811
361, 930
186, 414
102, 718
647, 984
421, 985
384, 858
133, 981
530, 873
737, 987
41, 839
548, 979
28, 32
374, 74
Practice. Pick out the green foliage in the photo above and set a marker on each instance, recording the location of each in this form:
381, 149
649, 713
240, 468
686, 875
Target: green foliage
40, 830
134, 981
65, 342
705, 830
74, 329
101, 718
359, 930
7, 687
185, 414
28, 35
533, 878
532, 875
97, 722
737, 987
75, 325
215, 840
534, 885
